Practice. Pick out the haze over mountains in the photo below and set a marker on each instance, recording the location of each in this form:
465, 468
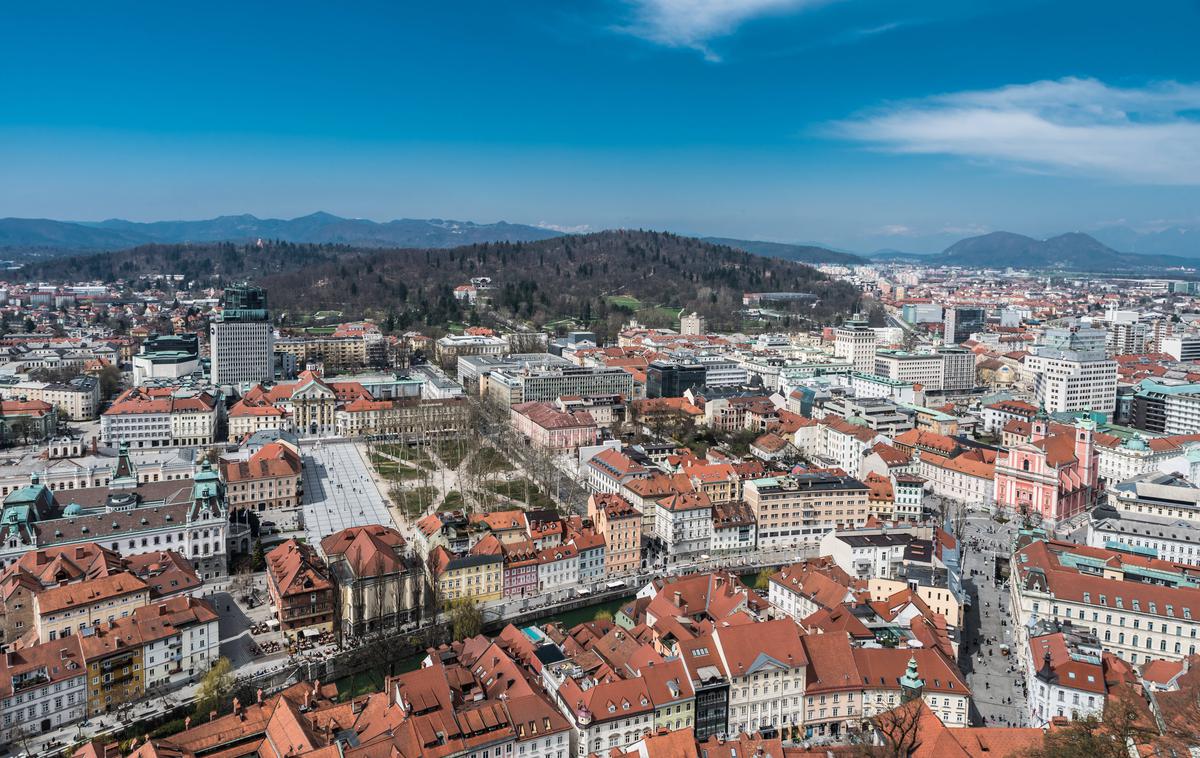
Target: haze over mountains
316, 228
1112, 248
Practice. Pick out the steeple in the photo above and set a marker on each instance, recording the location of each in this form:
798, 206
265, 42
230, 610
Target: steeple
911, 684
1041, 425
125, 475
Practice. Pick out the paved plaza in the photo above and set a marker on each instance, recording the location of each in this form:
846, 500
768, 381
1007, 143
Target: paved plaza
339, 491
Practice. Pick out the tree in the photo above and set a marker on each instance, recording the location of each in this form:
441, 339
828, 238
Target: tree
763, 580
603, 615
20, 428
466, 620
259, 558
1125, 719
216, 685
895, 733
110, 381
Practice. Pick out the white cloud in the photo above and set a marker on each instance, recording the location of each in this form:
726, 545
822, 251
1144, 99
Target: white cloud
578, 229
965, 229
692, 23
1085, 127
895, 230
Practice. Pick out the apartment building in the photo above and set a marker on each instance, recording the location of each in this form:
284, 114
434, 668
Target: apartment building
1138, 608
302, 590
620, 524
1064, 665
335, 354
1164, 408
148, 417
476, 575
1072, 373
684, 522
70, 608
79, 398
800, 508
42, 687
271, 479
854, 341
249, 416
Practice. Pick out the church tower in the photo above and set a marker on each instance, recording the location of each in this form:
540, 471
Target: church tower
911, 684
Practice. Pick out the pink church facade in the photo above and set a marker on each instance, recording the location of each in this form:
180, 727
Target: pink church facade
1052, 477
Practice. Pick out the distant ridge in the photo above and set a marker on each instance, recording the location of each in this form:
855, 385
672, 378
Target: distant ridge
788, 252
1074, 251
316, 228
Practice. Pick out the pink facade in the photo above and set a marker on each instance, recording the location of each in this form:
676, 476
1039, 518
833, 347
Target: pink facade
520, 576
1049, 477
548, 427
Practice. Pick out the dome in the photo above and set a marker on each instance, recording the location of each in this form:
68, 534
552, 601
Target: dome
74, 509
1136, 442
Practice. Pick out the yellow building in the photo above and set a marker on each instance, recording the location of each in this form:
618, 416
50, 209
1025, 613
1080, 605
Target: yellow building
113, 653
72, 608
939, 599
475, 577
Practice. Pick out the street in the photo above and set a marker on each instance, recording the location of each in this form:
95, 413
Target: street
996, 693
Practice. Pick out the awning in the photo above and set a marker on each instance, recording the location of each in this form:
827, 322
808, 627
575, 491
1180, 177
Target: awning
310, 632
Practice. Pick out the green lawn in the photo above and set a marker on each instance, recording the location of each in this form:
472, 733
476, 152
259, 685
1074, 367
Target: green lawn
389, 469
412, 502
625, 301
659, 315
410, 453
515, 490
453, 501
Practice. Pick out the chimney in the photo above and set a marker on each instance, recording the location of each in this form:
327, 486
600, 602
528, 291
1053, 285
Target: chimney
212, 715
94, 445
678, 599
237, 707
316, 689
187, 723
307, 698
260, 695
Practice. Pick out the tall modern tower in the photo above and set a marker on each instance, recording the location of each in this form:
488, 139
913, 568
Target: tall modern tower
241, 341
961, 322
855, 341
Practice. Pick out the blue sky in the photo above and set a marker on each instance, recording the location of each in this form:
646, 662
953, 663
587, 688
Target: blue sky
857, 123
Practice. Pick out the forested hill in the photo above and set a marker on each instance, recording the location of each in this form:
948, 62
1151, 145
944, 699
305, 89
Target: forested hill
564, 277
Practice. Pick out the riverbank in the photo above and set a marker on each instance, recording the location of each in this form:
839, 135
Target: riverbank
372, 680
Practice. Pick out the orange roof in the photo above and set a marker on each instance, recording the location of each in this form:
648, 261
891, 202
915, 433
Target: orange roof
271, 461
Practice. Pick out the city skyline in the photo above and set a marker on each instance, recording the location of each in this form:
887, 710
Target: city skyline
852, 124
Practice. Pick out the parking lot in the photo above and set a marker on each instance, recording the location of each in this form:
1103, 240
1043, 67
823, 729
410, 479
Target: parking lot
339, 491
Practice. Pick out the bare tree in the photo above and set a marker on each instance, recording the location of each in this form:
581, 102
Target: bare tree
892, 734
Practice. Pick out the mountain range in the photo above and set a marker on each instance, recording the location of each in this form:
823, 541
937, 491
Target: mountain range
1177, 246
1074, 251
19, 234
